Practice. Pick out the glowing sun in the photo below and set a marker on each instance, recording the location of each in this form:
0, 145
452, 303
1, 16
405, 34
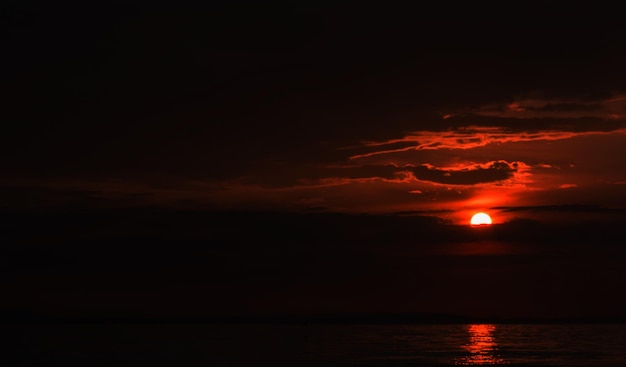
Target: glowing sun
480, 218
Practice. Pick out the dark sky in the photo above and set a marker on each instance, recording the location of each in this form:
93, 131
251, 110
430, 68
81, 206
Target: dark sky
313, 157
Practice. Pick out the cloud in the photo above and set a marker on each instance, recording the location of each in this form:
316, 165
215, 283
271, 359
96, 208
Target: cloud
474, 174
469, 137
534, 117
560, 208
612, 107
496, 172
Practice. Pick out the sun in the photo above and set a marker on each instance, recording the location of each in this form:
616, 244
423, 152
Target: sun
480, 219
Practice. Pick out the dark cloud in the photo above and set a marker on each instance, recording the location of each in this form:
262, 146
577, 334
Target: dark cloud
569, 107
576, 208
494, 172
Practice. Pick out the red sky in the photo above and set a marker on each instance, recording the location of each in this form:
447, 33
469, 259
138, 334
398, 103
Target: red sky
421, 114
336, 108
531, 151
466, 168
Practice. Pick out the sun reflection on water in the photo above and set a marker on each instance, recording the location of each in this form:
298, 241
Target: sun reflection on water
482, 348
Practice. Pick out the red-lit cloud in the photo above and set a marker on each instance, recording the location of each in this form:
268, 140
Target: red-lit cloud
491, 172
467, 138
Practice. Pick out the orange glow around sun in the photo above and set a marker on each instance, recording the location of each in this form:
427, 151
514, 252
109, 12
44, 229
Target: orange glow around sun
480, 219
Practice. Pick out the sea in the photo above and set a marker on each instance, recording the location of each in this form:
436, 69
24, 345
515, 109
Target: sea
302, 345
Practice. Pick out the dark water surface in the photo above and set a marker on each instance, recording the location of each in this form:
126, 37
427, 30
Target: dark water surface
314, 345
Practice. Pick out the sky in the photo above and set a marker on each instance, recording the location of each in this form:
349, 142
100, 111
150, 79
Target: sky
418, 116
